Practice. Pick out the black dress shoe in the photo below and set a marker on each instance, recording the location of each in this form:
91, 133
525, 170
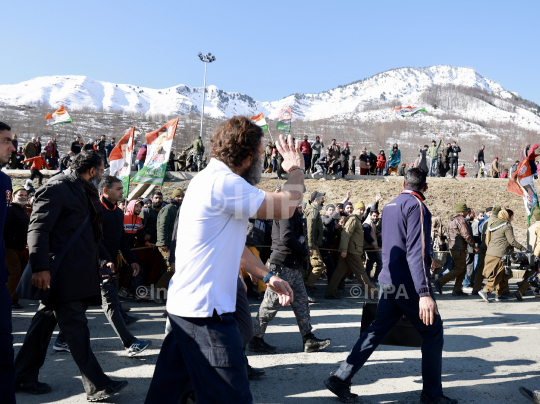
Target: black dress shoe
113, 388
259, 345
341, 389
533, 396
459, 293
254, 373
34, 388
440, 400
16, 306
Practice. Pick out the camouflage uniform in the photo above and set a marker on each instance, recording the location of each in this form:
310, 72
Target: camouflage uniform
197, 149
270, 305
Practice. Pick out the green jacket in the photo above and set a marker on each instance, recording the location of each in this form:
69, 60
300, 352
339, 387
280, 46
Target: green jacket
314, 226
433, 151
502, 239
352, 236
149, 217
165, 224
197, 146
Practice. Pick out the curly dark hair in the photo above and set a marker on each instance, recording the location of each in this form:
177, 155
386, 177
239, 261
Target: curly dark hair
235, 140
86, 160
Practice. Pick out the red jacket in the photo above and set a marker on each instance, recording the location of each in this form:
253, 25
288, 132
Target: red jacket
305, 147
37, 163
461, 172
381, 161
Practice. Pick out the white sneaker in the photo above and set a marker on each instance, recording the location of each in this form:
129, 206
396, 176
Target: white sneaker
483, 295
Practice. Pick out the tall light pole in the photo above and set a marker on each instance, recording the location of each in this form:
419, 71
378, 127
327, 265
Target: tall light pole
208, 58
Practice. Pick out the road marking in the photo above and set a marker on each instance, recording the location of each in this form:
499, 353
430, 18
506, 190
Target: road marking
492, 327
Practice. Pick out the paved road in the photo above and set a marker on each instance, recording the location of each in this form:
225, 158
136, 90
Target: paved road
489, 351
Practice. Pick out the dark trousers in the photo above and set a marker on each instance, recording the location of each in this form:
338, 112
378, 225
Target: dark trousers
307, 161
36, 173
206, 353
329, 263
453, 167
393, 304
242, 315
373, 257
71, 318
112, 309
7, 371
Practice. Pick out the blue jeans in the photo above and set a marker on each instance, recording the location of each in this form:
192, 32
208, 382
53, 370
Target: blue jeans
395, 302
469, 280
307, 161
433, 167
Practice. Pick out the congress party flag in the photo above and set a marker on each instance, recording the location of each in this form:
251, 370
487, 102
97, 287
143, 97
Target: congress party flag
121, 158
408, 111
159, 144
59, 116
522, 183
284, 120
260, 121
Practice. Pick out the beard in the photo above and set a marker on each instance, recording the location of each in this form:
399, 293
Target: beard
95, 181
253, 173
157, 205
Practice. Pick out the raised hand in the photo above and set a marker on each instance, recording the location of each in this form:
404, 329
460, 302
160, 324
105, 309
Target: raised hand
290, 153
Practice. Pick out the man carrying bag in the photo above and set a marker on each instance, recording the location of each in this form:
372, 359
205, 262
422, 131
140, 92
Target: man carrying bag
58, 228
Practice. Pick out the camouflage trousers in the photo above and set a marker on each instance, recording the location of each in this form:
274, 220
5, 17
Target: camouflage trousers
270, 304
197, 160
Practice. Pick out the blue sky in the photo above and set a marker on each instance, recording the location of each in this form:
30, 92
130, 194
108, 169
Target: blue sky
268, 50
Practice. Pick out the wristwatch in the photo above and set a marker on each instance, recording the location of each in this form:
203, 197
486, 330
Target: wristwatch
268, 276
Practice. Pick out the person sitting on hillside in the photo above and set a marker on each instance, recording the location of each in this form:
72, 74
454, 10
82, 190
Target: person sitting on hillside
402, 170
495, 171
514, 167
505, 173
461, 172
37, 164
320, 166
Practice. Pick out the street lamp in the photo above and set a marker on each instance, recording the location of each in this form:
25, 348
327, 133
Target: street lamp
208, 58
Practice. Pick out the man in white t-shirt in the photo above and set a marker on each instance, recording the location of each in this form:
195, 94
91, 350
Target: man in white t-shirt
204, 350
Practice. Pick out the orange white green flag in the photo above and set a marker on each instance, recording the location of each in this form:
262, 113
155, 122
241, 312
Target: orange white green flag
120, 159
59, 116
260, 121
159, 144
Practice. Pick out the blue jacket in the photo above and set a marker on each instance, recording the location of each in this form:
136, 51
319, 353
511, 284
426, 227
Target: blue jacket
406, 249
6, 189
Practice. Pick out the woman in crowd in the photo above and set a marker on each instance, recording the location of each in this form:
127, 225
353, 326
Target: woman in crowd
500, 241
394, 158
381, 162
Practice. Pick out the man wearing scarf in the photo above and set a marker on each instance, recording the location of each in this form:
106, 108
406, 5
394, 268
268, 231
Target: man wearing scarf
60, 208
404, 290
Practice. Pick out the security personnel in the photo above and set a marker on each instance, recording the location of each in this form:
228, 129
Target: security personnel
313, 219
351, 247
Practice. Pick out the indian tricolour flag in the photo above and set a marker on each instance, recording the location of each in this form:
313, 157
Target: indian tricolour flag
120, 159
59, 116
260, 121
522, 184
408, 111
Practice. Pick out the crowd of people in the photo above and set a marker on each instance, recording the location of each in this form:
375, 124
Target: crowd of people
240, 242
437, 160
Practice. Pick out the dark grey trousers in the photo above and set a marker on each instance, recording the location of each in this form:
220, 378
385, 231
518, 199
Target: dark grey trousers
71, 318
242, 315
111, 308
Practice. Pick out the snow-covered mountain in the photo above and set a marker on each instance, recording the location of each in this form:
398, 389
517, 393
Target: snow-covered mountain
357, 100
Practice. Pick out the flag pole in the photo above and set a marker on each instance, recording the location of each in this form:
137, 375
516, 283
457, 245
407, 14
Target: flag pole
271, 137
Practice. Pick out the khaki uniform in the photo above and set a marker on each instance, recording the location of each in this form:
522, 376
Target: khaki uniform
502, 242
352, 243
314, 237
